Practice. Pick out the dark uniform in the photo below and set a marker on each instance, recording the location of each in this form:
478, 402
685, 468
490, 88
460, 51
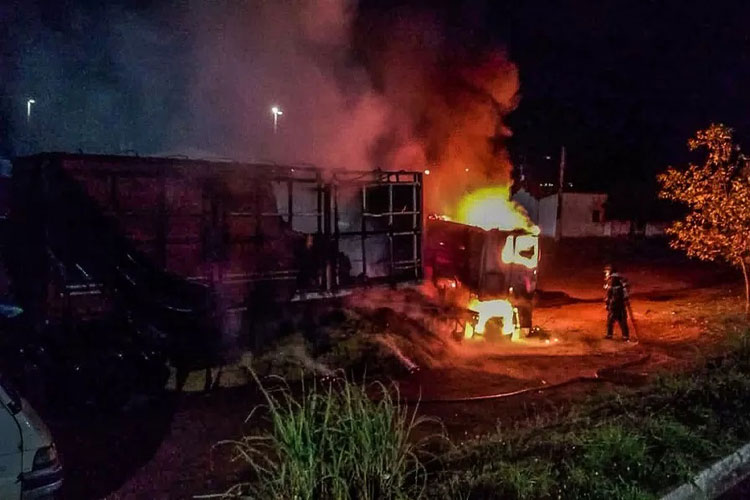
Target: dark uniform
616, 289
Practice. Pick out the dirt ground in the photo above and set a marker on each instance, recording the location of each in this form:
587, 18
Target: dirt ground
676, 307
165, 450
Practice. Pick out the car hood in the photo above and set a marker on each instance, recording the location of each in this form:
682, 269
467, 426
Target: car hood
34, 432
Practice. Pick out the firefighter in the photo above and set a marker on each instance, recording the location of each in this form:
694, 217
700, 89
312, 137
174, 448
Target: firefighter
616, 298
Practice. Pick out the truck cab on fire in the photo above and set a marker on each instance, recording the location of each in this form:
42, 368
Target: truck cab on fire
496, 268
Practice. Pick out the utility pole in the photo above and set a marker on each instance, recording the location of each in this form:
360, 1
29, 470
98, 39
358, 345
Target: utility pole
558, 221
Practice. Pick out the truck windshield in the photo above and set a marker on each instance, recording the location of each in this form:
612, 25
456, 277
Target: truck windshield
14, 405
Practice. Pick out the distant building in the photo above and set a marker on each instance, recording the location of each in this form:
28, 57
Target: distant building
583, 215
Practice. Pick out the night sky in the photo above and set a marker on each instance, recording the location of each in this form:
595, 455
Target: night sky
625, 84
622, 85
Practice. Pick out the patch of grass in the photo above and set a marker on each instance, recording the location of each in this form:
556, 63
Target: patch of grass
613, 451
524, 479
333, 442
675, 448
629, 445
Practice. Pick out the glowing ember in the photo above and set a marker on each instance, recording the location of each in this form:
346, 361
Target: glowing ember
491, 208
489, 309
439, 217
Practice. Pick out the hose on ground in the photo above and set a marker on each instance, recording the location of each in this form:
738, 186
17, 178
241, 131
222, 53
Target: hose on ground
601, 375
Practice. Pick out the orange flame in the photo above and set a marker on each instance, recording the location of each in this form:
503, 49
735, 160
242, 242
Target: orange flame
491, 208
489, 309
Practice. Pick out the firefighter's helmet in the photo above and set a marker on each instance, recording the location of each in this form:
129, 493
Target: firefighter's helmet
609, 269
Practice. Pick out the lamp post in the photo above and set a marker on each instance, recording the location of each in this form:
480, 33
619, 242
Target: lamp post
29, 102
276, 112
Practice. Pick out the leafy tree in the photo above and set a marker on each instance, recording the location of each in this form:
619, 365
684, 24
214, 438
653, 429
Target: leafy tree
717, 196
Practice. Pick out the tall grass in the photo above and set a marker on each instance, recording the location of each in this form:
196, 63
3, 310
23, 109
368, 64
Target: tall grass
332, 442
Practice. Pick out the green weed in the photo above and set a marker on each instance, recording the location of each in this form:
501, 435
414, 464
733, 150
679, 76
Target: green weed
333, 442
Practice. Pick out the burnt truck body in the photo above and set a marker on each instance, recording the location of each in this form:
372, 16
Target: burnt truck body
181, 245
178, 241
487, 265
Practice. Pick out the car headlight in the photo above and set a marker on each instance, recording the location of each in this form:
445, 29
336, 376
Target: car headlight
45, 457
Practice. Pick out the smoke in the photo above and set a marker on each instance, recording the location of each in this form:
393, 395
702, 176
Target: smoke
103, 78
384, 88
192, 77
449, 97
292, 54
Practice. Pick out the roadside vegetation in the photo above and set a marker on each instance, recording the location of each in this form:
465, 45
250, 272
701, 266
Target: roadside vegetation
634, 444
716, 195
338, 440
341, 440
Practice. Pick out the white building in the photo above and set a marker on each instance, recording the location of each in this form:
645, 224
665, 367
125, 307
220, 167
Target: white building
583, 215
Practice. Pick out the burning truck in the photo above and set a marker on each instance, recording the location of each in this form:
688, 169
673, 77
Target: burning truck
169, 244
486, 263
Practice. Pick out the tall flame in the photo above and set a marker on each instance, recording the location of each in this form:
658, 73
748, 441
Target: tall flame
491, 208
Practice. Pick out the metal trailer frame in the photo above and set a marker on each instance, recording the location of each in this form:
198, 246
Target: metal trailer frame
377, 220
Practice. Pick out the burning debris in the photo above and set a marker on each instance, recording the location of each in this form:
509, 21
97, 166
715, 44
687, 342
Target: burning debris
490, 309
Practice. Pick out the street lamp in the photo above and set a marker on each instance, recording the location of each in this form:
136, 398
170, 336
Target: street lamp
29, 102
276, 112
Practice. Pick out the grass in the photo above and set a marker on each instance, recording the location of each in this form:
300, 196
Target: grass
632, 445
333, 441
336, 442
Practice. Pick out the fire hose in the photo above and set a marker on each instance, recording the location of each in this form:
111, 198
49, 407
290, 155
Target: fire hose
629, 311
605, 374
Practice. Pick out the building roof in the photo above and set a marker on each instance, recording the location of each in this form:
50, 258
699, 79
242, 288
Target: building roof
578, 193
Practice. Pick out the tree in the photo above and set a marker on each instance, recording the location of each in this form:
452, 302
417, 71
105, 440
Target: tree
717, 197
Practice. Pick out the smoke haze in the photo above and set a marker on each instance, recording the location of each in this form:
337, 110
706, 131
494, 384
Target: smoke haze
359, 90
